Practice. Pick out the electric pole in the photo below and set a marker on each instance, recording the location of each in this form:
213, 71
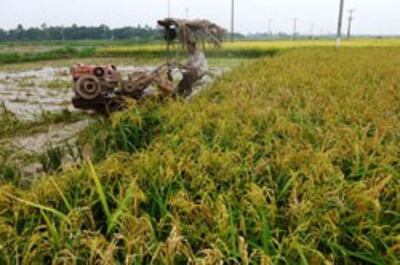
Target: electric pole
340, 21
270, 28
187, 12
294, 28
312, 31
351, 11
233, 21
62, 33
169, 8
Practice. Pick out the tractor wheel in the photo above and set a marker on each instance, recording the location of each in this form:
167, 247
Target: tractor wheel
88, 87
99, 72
128, 87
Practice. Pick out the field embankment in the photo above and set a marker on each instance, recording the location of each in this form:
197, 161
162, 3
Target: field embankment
292, 159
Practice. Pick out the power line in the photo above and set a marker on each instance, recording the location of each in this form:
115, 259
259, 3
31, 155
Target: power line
340, 22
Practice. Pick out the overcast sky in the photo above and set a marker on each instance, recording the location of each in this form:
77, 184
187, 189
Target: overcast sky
371, 17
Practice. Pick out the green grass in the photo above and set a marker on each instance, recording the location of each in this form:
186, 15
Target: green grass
291, 159
58, 84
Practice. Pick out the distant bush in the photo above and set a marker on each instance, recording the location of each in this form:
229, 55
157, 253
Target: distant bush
63, 53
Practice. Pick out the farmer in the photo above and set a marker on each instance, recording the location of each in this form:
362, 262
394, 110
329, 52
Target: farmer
194, 69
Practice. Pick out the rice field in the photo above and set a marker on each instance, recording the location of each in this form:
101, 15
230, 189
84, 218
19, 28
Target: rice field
261, 45
81, 50
292, 157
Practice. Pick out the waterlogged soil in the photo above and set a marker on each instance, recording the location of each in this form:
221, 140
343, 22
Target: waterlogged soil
55, 135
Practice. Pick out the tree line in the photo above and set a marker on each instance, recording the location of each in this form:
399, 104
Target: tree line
75, 32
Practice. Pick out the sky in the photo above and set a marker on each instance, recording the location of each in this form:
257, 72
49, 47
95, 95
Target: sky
317, 16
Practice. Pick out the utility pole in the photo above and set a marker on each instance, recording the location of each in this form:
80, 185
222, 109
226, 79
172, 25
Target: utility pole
62, 33
169, 8
294, 28
340, 21
187, 12
270, 28
312, 31
233, 21
351, 11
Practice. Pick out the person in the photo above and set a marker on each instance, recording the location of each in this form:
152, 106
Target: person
195, 67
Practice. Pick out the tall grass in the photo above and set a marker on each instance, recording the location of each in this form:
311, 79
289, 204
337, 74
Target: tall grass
292, 159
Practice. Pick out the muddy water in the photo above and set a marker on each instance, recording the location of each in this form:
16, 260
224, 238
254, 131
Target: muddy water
30, 92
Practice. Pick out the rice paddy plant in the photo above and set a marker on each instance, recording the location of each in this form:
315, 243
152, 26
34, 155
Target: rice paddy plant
9, 170
8, 120
292, 159
56, 157
129, 131
57, 84
239, 49
158, 51
52, 158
